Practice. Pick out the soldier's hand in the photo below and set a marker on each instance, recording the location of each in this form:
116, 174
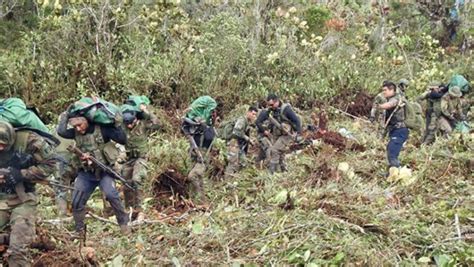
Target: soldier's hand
13, 177
266, 133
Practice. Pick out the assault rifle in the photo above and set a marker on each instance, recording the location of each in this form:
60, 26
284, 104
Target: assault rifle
191, 140
101, 166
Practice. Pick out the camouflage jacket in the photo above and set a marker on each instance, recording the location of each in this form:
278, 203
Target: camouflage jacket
450, 106
41, 163
241, 128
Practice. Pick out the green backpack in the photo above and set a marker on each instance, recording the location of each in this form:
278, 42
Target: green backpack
14, 111
96, 110
413, 116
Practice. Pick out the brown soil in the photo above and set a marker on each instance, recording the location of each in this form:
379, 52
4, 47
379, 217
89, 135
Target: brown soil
169, 188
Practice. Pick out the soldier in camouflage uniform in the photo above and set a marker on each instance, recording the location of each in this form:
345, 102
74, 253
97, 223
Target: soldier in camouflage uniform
433, 110
137, 127
65, 173
451, 110
237, 146
25, 157
94, 140
288, 130
198, 127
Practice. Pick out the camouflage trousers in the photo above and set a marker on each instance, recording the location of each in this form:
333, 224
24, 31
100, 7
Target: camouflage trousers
135, 172
435, 124
20, 218
236, 157
196, 177
277, 153
265, 144
65, 174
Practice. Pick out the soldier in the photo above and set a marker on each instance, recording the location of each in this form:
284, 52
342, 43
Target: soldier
137, 127
433, 110
451, 110
284, 123
25, 157
402, 86
198, 128
94, 140
394, 124
237, 146
65, 173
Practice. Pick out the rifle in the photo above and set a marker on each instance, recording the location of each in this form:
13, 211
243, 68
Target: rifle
101, 166
192, 142
279, 125
350, 115
19, 188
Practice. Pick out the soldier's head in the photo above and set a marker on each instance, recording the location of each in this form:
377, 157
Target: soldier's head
434, 86
80, 124
455, 92
130, 119
252, 113
403, 84
389, 89
273, 102
7, 136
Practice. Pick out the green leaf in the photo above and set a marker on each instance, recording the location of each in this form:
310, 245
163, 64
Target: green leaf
444, 260
175, 262
117, 261
424, 260
197, 228
338, 258
307, 254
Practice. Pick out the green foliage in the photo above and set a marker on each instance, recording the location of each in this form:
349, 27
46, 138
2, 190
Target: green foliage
316, 16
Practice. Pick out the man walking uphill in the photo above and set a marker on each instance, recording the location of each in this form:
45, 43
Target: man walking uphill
24, 157
285, 127
94, 140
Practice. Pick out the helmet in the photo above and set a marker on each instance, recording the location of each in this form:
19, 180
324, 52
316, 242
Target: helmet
7, 134
403, 82
455, 91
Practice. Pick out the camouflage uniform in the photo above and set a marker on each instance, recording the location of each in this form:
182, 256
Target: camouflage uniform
18, 210
433, 112
281, 138
134, 169
237, 147
451, 109
98, 141
65, 173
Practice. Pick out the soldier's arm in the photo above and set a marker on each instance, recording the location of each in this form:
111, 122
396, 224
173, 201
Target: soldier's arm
43, 158
291, 115
239, 129
262, 117
116, 134
62, 129
393, 102
444, 108
423, 96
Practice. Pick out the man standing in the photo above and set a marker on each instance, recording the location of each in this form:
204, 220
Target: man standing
285, 127
451, 110
394, 123
433, 110
198, 127
94, 140
24, 157
237, 146
137, 127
